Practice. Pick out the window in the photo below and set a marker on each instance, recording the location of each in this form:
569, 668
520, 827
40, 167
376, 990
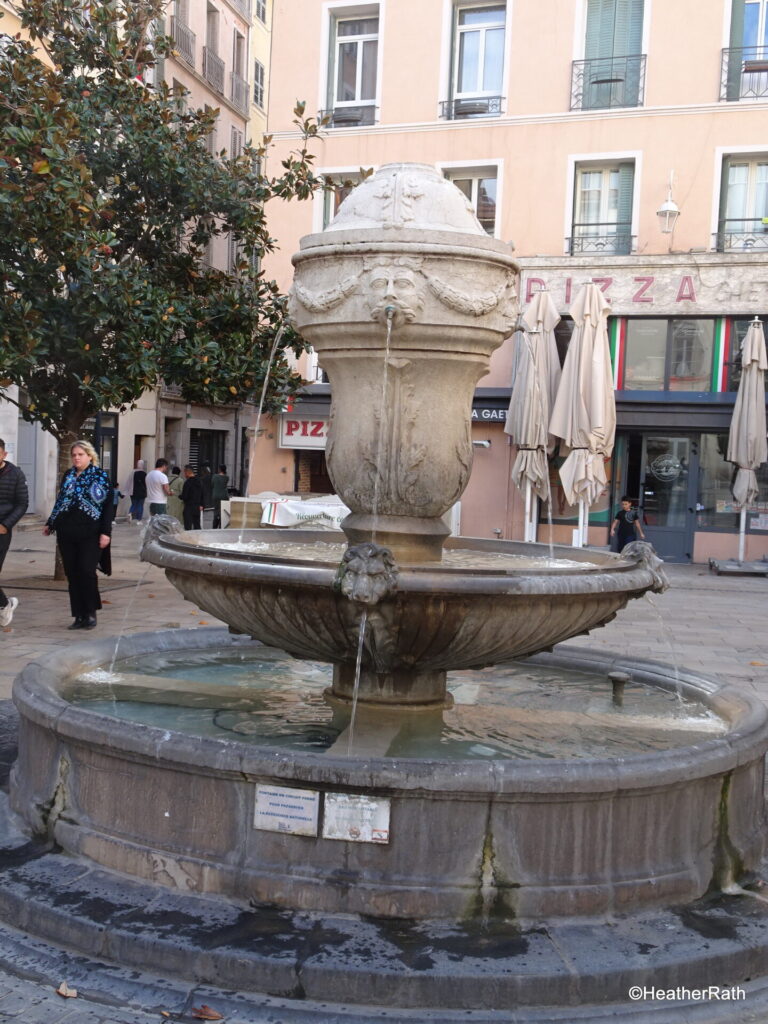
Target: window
479, 186
337, 190
745, 63
210, 139
613, 71
261, 10
715, 507
743, 222
739, 330
353, 67
258, 83
236, 140
180, 94
669, 355
478, 61
602, 209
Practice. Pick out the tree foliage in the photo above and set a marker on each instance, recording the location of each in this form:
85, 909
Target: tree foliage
108, 199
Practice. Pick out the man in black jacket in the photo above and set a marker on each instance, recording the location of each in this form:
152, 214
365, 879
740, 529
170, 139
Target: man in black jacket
192, 499
13, 504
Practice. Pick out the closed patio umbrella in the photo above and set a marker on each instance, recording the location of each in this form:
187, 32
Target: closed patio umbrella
747, 445
535, 377
584, 413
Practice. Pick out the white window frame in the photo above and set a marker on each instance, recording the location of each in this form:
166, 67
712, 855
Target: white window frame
343, 10
259, 84
449, 58
483, 30
597, 159
721, 153
359, 40
336, 173
260, 10
479, 169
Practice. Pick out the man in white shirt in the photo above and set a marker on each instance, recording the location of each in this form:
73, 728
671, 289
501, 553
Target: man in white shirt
157, 488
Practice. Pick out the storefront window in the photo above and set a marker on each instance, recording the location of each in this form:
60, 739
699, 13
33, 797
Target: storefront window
669, 355
738, 333
715, 507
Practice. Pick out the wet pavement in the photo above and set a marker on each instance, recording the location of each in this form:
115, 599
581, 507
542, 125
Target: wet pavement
716, 625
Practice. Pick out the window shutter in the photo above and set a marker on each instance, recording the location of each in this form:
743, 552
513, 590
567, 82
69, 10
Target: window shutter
628, 28
331, 90
626, 188
600, 26
733, 84
158, 72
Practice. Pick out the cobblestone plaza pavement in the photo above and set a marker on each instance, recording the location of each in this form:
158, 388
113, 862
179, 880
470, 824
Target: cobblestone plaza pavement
716, 625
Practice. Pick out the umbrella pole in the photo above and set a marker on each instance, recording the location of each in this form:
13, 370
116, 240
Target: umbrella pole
583, 523
742, 532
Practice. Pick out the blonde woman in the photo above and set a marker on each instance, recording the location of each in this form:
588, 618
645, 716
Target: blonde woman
82, 522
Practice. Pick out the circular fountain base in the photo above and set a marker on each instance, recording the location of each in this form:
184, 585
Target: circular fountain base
476, 882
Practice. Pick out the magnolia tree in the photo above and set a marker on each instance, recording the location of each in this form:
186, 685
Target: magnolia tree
108, 198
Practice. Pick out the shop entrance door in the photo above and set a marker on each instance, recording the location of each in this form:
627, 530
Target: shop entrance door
668, 478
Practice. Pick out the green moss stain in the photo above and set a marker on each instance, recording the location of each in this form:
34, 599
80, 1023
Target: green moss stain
728, 866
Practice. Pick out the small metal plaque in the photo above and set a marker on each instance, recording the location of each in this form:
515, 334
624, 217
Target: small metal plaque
287, 810
357, 819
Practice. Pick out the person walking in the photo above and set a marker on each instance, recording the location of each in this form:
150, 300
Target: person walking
136, 489
175, 485
158, 489
219, 493
82, 521
626, 526
14, 499
192, 498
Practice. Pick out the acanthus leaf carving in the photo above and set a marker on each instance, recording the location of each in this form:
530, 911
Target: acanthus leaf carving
464, 302
321, 302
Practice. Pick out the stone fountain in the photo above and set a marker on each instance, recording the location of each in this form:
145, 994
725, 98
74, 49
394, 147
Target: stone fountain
491, 879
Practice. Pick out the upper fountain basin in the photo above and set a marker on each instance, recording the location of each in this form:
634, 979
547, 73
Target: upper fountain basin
439, 617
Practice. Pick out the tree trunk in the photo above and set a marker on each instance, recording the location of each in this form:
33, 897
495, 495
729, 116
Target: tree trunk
66, 441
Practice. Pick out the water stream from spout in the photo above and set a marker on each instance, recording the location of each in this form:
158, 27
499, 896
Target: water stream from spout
383, 423
356, 687
256, 419
669, 638
550, 528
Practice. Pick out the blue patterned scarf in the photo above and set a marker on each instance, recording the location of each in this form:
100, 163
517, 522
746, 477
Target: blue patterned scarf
87, 492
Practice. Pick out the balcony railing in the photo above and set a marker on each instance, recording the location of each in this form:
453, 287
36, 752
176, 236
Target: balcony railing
471, 106
601, 239
605, 82
184, 40
749, 235
744, 73
213, 69
350, 117
239, 92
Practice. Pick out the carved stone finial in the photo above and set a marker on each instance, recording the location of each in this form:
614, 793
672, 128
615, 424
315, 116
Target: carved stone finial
157, 528
644, 554
368, 573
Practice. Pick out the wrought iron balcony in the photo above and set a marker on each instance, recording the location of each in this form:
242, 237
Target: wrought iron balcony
471, 106
749, 235
605, 82
239, 92
601, 239
744, 73
349, 117
213, 69
184, 40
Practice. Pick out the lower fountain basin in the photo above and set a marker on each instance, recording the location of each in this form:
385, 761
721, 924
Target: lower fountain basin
440, 617
524, 838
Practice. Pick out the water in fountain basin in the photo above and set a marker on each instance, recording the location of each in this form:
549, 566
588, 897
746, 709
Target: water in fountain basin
515, 711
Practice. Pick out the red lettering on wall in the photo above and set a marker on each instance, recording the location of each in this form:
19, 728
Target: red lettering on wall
685, 292
640, 295
530, 291
291, 427
317, 428
568, 286
305, 429
605, 283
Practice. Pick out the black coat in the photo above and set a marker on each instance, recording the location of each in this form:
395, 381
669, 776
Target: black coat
192, 492
14, 497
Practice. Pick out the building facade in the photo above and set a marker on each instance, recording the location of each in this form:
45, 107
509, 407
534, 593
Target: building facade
568, 137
